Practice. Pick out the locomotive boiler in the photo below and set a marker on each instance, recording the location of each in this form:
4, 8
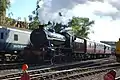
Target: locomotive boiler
46, 45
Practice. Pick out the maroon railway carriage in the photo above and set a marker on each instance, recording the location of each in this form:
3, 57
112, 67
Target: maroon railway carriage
79, 46
99, 48
90, 49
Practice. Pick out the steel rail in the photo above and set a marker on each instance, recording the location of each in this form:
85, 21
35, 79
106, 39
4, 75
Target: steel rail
53, 74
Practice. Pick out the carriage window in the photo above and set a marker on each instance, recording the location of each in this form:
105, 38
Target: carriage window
2, 35
15, 37
106, 48
90, 45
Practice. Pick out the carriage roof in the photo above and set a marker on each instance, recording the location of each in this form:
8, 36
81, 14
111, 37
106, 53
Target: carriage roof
16, 29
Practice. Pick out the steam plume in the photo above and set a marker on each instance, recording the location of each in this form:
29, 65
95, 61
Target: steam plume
49, 9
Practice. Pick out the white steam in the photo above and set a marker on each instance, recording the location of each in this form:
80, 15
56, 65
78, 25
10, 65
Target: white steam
49, 9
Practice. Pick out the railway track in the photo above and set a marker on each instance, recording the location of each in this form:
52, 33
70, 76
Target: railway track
33, 66
74, 73
10, 66
14, 66
17, 68
117, 78
54, 74
54, 69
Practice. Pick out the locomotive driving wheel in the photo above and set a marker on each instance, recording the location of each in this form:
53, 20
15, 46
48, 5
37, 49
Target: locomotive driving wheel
57, 59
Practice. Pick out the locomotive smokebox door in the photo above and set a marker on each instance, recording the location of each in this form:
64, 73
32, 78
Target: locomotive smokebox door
38, 38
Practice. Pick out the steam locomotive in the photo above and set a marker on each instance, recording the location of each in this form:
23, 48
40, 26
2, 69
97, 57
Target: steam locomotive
46, 45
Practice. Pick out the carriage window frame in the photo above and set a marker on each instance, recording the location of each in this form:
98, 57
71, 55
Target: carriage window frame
15, 37
90, 45
2, 35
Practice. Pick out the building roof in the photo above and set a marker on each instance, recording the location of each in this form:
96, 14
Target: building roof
16, 28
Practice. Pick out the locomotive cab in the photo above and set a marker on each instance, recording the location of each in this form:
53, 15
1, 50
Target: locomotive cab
70, 37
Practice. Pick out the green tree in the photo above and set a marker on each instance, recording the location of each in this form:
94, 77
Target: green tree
4, 4
9, 20
59, 26
81, 26
34, 24
25, 23
34, 21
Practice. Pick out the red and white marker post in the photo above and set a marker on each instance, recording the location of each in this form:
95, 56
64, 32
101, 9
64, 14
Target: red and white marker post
110, 75
25, 75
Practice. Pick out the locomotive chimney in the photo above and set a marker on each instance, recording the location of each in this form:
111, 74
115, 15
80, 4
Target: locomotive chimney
41, 27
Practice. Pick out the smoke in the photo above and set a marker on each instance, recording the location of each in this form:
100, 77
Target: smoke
49, 9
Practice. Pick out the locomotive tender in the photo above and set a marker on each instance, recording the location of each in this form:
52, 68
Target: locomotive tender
46, 45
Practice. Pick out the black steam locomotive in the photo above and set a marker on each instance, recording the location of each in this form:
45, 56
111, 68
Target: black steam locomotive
46, 45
